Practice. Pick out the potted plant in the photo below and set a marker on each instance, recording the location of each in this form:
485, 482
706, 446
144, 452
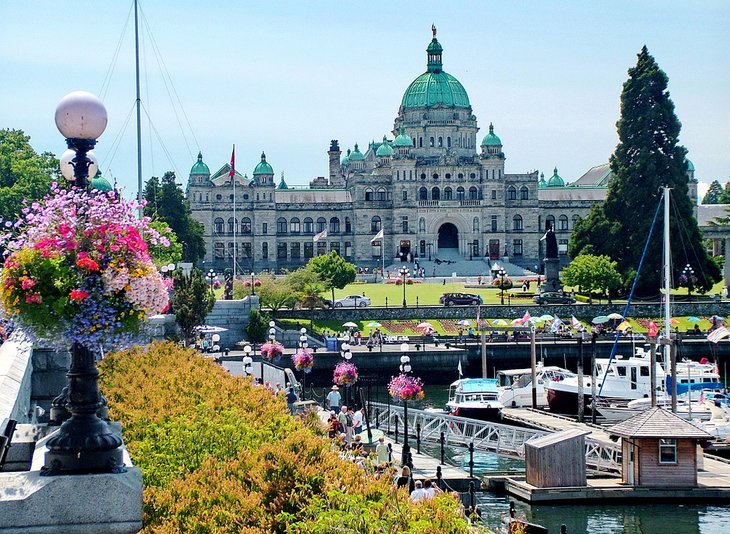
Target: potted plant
345, 374
303, 360
406, 388
272, 350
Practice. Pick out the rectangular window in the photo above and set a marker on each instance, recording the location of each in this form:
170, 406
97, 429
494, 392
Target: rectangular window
295, 251
308, 250
517, 247
264, 228
246, 247
376, 250
335, 247
348, 249
321, 248
562, 247
494, 194
405, 195
404, 224
667, 451
494, 223
220, 251
281, 251
264, 250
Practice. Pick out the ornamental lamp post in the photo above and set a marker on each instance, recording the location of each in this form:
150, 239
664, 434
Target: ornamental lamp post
303, 344
247, 360
253, 283
168, 269
404, 273
85, 442
405, 368
689, 274
211, 276
346, 353
501, 274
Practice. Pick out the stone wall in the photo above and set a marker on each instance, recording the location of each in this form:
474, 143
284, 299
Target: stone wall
15, 379
232, 315
49, 376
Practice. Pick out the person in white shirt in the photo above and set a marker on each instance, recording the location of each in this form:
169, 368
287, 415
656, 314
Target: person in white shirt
382, 452
357, 417
418, 493
334, 398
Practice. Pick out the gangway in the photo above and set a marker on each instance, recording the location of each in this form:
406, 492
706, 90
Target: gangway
499, 438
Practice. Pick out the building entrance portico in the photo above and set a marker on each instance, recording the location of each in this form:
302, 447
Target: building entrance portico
448, 236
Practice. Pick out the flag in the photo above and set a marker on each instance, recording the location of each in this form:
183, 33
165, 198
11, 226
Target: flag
718, 334
459, 368
525, 318
575, 323
652, 329
320, 235
556, 325
623, 326
378, 236
232, 172
479, 309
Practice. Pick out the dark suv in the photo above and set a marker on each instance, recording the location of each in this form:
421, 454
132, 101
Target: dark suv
460, 299
553, 297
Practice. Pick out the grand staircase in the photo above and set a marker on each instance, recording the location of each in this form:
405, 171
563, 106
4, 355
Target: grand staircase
449, 261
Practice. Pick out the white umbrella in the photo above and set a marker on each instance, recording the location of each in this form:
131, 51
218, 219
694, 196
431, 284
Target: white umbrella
615, 315
350, 324
205, 329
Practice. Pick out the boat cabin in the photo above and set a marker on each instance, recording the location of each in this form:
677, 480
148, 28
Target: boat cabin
473, 390
659, 448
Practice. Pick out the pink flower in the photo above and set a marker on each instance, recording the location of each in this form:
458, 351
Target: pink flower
33, 298
27, 283
87, 263
78, 295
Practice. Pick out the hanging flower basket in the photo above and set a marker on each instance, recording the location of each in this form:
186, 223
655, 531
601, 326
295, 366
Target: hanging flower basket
303, 360
498, 282
272, 351
256, 283
406, 387
79, 270
345, 374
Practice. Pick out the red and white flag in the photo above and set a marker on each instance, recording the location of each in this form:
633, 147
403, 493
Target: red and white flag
232, 172
525, 318
575, 322
717, 334
321, 235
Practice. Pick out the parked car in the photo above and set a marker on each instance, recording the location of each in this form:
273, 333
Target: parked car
460, 299
350, 301
553, 297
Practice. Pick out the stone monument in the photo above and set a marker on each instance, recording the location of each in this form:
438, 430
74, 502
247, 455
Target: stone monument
551, 261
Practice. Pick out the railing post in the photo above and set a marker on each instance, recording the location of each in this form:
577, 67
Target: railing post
377, 418
471, 459
512, 509
471, 495
418, 438
386, 302
416, 301
563, 529
390, 453
396, 430
443, 443
439, 476
410, 460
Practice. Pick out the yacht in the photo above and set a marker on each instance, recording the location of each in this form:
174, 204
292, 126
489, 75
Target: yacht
476, 398
515, 385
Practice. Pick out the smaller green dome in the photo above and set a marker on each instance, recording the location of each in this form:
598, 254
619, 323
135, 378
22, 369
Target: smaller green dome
384, 150
356, 155
555, 180
263, 167
491, 139
100, 183
282, 184
346, 159
200, 167
690, 165
541, 182
403, 140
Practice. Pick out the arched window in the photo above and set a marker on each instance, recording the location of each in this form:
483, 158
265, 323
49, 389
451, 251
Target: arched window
231, 225
511, 193
369, 194
551, 220
435, 176
423, 194
308, 225
563, 222
294, 225
218, 225
576, 220
423, 176
460, 193
430, 142
348, 225
230, 198
246, 225
321, 224
380, 194
435, 193
473, 193
524, 193
441, 142
517, 223
421, 224
334, 225
448, 176
475, 224
460, 176
281, 225
375, 224
219, 197
448, 194
472, 176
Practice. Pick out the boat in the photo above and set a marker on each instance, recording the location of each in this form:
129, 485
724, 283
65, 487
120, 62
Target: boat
515, 385
476, 398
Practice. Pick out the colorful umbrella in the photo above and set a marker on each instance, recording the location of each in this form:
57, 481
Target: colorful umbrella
600, 319
673, 321
350, 324
517, 321
464, 322
373, 325
615, 316
547, 317
499, 322
424, 325
694, 319
623, 326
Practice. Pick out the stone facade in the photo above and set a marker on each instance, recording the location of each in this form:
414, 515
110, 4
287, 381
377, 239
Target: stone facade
434, 189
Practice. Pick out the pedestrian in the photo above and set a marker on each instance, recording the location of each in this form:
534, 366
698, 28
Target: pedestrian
418, 494
342, 419
334, 398
333, 425
405, 480
349, 428
524, 286
382, 452
357, 446
357, 418
291, 398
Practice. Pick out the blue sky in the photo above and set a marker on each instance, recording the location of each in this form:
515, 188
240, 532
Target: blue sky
286, 77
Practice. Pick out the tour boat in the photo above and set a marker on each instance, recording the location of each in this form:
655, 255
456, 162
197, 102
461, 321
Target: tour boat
515, 385
477, 398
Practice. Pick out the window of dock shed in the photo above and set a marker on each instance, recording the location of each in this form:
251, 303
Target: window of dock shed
667, 451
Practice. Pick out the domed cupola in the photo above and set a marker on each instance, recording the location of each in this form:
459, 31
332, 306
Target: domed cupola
384, 150
263, 174
282, 184
555, 180
403, 140
542, 182
99, 183
346, 159
199, 167
356, 155
491, 138
435, 88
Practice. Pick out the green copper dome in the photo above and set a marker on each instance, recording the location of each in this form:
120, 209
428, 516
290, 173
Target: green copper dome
690, 165
263, 167
555, 180
356, 155
542, 182
491, 139
384, 150
200, 167
435, 87
403, 139
346, 159
282, 184
100, 183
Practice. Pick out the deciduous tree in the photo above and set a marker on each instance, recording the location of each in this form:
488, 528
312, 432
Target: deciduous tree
333, 271
592, 274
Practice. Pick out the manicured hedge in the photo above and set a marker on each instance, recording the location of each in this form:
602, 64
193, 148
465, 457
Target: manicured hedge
220, 455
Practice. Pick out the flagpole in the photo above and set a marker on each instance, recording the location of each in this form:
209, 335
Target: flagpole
382, 254
235, 221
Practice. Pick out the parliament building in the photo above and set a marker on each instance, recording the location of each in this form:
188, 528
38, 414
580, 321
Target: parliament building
436, 189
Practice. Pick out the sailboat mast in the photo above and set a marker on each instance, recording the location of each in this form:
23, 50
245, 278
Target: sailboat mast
139, 127
667, 276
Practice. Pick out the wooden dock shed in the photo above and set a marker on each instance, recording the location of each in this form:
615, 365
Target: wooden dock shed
659, 448
557, 460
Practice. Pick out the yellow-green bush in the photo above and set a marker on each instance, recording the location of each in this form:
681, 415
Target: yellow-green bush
221, 455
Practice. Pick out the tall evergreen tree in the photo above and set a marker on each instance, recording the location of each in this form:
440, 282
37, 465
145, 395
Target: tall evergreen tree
647, 157
191, 301
166, 202
714, 193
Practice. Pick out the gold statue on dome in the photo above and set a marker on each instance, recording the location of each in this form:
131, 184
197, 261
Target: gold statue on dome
433, 29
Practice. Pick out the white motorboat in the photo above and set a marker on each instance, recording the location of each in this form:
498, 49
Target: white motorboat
515, 385
476, 398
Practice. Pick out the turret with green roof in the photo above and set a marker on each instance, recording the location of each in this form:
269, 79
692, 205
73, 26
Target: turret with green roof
542, 182
555, 180
282, 183
491, 138
356, 155
199, 167
346, 159
384, 150
403, 140
263, 167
